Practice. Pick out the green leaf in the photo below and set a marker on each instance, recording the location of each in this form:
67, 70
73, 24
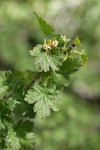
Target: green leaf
28, 142
60, 80
22, 109
84, 58
36, 50
45, 98
44, 62
71, 65
16, 81
3, 87
12, 141
23, 128
2, 126
77, 41
46, 28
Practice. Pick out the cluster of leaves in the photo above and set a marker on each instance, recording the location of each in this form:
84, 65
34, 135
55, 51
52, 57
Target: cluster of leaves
27, 94
16, 128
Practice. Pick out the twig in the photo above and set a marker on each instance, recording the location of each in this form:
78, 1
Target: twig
73, 45
37, 76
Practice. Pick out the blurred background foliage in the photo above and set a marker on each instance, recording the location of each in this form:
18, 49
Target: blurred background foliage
77, 125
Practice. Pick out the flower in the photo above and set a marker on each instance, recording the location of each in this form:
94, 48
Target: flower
49, 44
54, 43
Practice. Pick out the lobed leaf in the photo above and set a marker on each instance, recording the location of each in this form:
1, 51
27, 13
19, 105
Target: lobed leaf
71, 65
44, 99
44, 62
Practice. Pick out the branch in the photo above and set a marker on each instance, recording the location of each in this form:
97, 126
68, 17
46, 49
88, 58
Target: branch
37, 76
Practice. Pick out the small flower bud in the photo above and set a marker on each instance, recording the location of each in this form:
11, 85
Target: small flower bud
55, 43
65, 39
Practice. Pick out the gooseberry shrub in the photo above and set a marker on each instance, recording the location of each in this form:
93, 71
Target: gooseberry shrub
25, 95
